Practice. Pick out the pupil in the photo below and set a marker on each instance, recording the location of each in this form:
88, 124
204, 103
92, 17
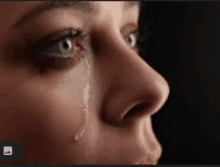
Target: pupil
65, 45
129, 39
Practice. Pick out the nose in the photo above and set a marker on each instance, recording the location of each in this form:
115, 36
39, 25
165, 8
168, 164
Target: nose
134, 90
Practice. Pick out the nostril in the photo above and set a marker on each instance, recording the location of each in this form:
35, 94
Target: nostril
137, 111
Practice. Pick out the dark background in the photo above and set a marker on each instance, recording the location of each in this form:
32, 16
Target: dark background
185, 49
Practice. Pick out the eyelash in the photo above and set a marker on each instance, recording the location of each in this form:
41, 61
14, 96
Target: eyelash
44, 61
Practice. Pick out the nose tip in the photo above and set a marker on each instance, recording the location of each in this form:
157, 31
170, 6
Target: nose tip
124, 108
159, 95
150, 103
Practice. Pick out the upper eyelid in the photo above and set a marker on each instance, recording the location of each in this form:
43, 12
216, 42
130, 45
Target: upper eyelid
71, 33
128, 28
136, 32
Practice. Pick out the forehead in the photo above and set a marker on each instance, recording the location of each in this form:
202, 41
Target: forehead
113, 4
29, 10
23, 12
117, 9
94, 7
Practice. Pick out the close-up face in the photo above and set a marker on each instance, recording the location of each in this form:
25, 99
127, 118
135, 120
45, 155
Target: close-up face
74, 89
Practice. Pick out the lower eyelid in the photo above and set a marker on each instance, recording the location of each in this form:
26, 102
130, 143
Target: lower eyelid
55, 64
44, 64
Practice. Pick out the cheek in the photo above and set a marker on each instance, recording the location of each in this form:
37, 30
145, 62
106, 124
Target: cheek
66, 113
65, 100
47, 110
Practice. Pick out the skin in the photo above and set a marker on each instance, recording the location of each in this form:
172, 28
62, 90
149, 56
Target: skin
46, 112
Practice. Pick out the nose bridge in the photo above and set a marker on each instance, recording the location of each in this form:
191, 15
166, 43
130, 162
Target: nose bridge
132, 73
130, 79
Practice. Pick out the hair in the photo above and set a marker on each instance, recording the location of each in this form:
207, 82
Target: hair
145, 30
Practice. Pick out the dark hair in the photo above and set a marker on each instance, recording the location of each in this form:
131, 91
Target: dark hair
145, 29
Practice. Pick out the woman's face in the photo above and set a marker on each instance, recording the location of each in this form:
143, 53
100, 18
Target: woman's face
77, 97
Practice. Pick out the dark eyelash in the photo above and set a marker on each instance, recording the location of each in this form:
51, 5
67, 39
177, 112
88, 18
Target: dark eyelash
68, 34
143, 42
51, 40
145, 37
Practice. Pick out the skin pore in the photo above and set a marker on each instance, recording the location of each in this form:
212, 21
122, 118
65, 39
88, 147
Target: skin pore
77, 113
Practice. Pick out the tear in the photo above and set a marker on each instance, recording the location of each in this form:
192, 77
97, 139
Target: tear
84, 104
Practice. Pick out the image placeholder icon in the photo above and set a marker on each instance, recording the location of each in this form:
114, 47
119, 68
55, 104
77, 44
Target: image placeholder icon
7, 150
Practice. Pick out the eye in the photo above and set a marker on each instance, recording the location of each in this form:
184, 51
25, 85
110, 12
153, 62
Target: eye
132, 39
58, 50
62, 47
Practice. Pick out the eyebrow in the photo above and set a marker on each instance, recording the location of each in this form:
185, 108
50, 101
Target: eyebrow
88, 7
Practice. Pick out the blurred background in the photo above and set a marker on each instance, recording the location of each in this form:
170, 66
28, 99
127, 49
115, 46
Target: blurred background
185, 48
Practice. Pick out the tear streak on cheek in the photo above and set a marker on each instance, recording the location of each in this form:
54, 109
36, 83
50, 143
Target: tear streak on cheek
84, 113
85, 103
